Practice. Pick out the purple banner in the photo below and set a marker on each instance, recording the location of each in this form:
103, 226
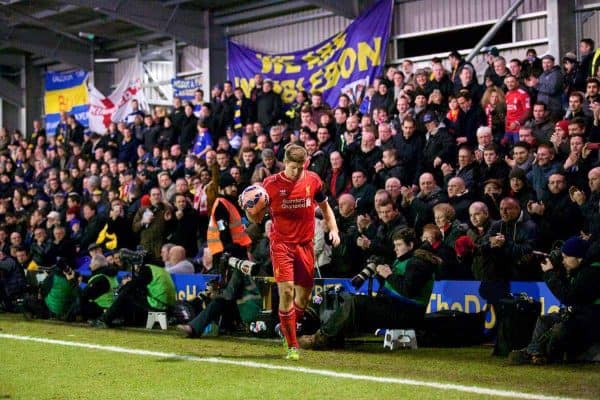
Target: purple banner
344, 63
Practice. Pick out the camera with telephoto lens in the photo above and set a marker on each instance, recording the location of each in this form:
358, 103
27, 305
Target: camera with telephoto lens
555, 255
246, 267
62, 265
368, 271
131, 258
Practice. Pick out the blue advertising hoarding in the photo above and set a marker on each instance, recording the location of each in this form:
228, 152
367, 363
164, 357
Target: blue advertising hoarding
446, 295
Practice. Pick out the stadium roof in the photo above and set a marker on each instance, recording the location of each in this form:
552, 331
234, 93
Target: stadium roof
66, 31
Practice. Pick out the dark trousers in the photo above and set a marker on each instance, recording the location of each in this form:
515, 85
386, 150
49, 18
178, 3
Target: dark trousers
492, 292
541, 333
130, 305
36, 307
85, 309
90, 310
556, 334
217, 308
365, 314
223, 305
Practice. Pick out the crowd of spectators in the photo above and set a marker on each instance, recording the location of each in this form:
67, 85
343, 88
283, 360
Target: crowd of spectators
485, 170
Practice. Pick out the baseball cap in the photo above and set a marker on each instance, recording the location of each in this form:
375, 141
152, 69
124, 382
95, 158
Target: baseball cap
493, 51
548, 57
53, 215
429, 117
93, 246
570, 56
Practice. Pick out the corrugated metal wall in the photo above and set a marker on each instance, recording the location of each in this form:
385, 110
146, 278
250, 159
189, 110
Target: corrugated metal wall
288, 36
10, 115
591, 27
530, 29
479, 60
193, 59
196, 59
425, 15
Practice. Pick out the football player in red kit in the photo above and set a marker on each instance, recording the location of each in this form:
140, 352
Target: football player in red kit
294, 194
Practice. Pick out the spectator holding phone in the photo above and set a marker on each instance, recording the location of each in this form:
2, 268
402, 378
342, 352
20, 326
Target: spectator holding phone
589, 204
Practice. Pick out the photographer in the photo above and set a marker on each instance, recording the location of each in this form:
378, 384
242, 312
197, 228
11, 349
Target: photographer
99, 294
56, 294
12, 282
150, 289
576, 327
239, 301
401, 303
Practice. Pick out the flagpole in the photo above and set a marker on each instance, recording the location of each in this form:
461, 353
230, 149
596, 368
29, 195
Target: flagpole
91, 72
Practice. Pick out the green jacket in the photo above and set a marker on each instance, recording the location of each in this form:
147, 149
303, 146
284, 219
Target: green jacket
161, 290
413, 276
61, 295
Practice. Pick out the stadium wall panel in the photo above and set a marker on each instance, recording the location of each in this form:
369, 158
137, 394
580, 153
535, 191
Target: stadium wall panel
425, 15
286, 34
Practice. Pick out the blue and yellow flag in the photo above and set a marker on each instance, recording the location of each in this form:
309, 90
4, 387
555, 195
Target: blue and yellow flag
345, 63
65, 91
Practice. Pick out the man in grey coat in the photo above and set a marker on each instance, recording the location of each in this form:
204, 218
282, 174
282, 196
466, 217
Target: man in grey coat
550, 85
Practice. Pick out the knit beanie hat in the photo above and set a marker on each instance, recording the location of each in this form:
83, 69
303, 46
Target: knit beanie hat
563, 124
226, 180
517, 173
145, 201
575, 247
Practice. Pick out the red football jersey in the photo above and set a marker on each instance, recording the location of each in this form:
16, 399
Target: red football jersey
293, 205
518, 103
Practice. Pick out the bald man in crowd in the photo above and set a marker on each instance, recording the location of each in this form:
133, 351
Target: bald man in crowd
178, 263
460, 198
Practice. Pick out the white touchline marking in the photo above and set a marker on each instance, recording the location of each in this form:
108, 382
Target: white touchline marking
322, 372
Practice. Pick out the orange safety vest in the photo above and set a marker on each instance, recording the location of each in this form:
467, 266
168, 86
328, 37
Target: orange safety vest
236, 228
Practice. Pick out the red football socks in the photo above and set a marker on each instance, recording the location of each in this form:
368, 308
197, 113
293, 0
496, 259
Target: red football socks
288, 326
299, 312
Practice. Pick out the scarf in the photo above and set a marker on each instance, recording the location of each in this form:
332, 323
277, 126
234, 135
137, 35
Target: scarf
237, 116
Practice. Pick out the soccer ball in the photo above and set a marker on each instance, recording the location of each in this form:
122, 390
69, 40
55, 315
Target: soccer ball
254, 200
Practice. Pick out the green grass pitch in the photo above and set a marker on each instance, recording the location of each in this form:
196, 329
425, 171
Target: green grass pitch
32, 370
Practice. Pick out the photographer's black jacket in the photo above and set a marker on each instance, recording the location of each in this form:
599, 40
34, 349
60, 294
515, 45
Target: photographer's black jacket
98, 286
579, 288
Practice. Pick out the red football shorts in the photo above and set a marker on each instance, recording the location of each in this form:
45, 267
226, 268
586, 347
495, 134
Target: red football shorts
293, 262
